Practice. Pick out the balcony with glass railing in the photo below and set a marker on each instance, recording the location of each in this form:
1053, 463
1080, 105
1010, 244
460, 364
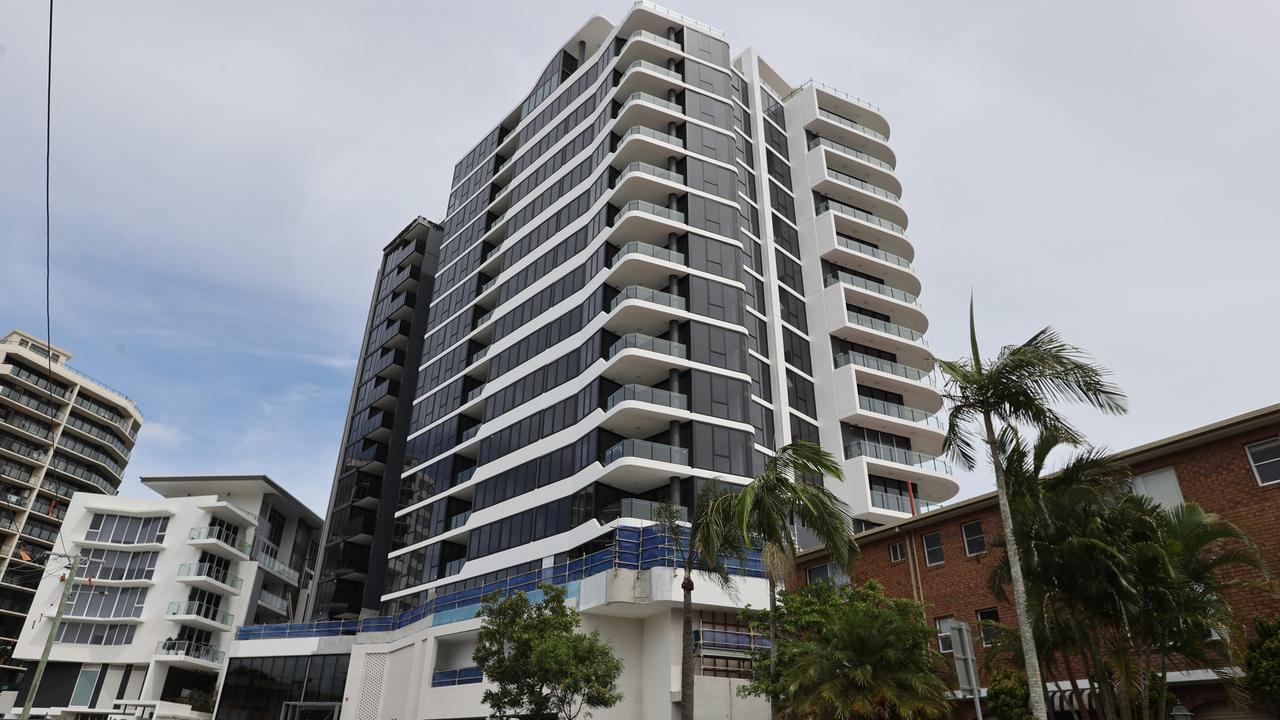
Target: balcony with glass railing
885, 366
644, 168
93, 406
27, 400
902, 412
14, 471
653, 38
653, 68
25, 424
653, 135
40, 382
273, 602
91, 453
646, 394
644, 206
221, 536
461, 676
853, 125
819, 141
638, 509
862, 248
81, 472
14, 498
22, 448
40, 531
98, 433
188, 649
649, 343
194, 609
863, 185
459, 520
811, 83
888, 328
837, 275
638, 247
825, 204
647, 450
213, 572
645, 294
888, 453
899, 502
276, 567
642, 96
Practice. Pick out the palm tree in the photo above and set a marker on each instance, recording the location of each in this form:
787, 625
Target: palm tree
1019, 388
1117, 582
869, 662
1207, 556
709, 539
781, 496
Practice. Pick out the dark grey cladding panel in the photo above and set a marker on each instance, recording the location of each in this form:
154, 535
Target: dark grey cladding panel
707, 79
708, 110
717, 346
718, 396
718, 449
714, 217
710, 178
714, 300
706, 48
705, 141
713, 256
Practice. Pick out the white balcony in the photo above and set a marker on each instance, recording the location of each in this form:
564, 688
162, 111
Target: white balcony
642, 263
891, 262
917, 390
907, 343
923, 428
200, 615
219, 541
899, 304
208, 576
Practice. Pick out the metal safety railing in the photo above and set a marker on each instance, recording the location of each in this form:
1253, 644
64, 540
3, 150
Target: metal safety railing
633, 549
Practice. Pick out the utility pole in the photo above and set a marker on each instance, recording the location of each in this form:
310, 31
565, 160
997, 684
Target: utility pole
68, 580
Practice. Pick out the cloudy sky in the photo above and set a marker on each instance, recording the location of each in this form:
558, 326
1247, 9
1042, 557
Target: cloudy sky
225, 174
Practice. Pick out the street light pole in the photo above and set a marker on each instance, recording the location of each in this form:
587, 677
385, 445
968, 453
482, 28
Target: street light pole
53, 632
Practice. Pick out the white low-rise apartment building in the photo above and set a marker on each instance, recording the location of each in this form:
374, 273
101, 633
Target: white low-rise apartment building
160, 586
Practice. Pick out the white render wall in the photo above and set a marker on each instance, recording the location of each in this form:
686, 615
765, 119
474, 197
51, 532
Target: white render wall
637, 612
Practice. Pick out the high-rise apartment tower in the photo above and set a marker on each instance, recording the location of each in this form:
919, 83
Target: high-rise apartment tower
61, 432
361, 518
660, 266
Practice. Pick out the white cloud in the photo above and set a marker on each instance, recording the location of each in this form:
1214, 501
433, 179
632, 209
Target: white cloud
167, 437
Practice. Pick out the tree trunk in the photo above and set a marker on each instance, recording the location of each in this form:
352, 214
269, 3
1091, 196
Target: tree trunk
1039, 711
1077, 698
686, 651
1164, 675
773, 649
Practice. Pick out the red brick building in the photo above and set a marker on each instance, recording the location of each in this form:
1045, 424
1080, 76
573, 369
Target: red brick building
945, 558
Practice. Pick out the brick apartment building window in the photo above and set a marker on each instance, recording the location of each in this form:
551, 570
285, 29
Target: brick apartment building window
1159, 485
989, 634
975, 543
897, 553
1265, 457
828, 571
933, 554
944, 633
